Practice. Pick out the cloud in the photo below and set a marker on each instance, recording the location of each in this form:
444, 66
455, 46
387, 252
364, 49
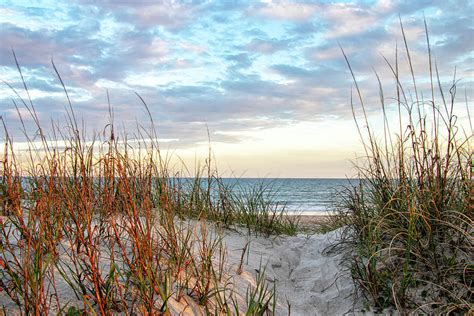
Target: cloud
266, 46
233, 66
144, 14
238, 62
348, 19
292, 71
297, 12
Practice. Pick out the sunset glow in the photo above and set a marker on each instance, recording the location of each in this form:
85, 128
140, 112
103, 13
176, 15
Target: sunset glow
267, 79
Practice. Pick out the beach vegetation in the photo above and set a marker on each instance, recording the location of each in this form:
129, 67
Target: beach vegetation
103, 216
408, 223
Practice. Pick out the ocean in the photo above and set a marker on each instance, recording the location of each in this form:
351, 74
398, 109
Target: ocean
305, 196
298, 196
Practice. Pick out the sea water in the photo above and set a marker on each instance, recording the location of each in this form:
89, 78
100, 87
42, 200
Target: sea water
305, 196
295, 195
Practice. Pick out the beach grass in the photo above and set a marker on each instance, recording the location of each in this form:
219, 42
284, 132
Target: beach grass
409, 222
102, 216
104, 219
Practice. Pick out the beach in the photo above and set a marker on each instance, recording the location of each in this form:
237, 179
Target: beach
311, 222
309, 281
250, 158
308, 277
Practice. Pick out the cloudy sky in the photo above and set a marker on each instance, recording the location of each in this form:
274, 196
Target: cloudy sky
267, 78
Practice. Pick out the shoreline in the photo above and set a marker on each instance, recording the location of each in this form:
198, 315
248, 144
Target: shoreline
311, 221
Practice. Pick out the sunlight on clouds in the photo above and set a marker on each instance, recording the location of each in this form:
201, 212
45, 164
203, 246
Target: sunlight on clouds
167, 77
302, 135
158, 47
285, 151
170, 14
108, 84
268, 79
89, 69
288, 11
384, 5
195, 48
348, 19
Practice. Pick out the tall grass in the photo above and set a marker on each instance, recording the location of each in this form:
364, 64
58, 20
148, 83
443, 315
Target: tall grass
231, 203
100, 216
410, 220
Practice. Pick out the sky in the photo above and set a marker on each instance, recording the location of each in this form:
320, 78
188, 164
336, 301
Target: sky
267, 79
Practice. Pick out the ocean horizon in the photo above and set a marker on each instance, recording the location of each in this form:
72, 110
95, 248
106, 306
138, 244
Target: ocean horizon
305, 196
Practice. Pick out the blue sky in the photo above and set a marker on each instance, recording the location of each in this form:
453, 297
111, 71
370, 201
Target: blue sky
267, 78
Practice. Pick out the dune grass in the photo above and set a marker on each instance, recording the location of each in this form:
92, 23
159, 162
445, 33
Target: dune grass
231, 203
409, 223
101, 215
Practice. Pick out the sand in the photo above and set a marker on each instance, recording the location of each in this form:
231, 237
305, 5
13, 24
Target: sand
308, 280
311, 222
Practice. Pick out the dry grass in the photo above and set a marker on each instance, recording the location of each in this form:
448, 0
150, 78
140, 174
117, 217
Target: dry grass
102, 216
410, 220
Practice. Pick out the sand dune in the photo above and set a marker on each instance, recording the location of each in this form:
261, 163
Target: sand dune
311, 281
308, 280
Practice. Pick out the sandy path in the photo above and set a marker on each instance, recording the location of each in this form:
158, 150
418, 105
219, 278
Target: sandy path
308, 280
313, 282
311, 222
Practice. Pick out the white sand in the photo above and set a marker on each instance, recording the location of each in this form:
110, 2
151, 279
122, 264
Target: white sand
312, 282
309, 280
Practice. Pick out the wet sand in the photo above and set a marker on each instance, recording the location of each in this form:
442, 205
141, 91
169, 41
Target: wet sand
311, 221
